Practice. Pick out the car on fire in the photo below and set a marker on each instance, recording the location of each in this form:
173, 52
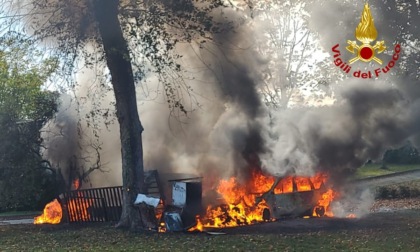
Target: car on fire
294, 201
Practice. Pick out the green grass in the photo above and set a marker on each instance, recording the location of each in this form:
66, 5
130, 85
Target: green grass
372, 170
103, 237
402, 190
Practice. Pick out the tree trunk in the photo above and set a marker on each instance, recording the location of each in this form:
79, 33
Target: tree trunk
118, 61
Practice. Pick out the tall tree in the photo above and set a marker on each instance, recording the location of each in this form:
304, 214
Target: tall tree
295, 60
24, 108
118, 60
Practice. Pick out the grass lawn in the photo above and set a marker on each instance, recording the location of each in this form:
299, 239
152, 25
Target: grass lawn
372, 170
403, 236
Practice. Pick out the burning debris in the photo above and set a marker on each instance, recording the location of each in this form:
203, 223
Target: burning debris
87, 205
52, 214
259, 198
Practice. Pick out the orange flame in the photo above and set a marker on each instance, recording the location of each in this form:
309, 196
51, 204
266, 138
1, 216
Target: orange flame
198, 226
158, 213
52, 214
76, 184
244, 204
322, 209
240, 206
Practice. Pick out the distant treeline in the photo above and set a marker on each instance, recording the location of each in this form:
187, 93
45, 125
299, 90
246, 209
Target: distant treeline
406, 154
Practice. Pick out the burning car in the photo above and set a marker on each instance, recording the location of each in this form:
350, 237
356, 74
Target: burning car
301, 200
264, 197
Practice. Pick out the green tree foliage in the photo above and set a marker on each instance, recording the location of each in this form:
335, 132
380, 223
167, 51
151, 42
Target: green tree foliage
24, 108
407, 154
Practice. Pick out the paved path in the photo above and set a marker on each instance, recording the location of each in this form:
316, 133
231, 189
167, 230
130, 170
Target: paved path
15, 222
390, 179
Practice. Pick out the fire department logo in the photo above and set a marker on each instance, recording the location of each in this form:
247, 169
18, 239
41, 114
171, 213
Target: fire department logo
366, 33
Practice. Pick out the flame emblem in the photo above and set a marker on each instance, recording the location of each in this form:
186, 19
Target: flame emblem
366, 33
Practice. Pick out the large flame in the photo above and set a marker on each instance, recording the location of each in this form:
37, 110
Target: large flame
52, 214
366, 31
240, 206
77, 208
244, 204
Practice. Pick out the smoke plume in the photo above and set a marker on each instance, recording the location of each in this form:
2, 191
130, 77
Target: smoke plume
228, 130
369, 117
